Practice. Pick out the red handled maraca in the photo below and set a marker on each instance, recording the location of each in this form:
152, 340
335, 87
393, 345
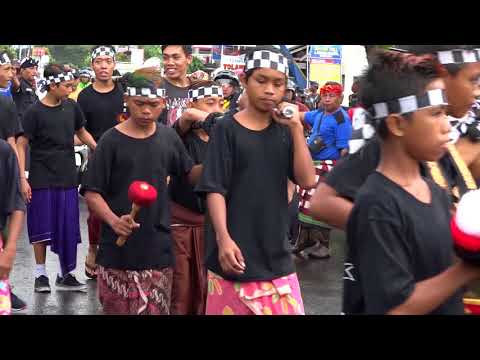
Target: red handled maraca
141, 194
465, 227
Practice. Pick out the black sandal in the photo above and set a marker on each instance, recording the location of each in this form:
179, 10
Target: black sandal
90, 271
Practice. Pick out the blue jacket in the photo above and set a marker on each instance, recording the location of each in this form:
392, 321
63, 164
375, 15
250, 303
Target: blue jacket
335, 130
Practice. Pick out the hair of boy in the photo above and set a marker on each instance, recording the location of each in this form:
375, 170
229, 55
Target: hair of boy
452, 68
99, 50
56, 71
393, 75
144, 78
187, 49
249, 53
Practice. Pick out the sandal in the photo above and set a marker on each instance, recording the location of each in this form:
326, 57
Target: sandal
90, 271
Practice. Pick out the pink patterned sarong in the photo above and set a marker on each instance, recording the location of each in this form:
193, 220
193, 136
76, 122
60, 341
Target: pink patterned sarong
275, 297
5, 302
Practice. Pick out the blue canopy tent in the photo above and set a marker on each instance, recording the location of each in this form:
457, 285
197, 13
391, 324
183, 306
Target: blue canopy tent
293, 68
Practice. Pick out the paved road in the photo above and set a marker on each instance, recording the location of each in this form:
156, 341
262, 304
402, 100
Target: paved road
320, 280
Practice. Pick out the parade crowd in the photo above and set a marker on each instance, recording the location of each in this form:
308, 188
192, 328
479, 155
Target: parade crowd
202, 188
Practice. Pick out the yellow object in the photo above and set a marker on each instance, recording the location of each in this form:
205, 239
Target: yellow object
322, 73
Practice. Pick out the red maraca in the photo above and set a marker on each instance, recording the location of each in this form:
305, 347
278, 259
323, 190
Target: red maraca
465, 227
141, 194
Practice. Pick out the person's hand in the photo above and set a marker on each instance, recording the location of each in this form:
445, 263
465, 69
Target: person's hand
124, 225
230, 257
344, 152
294, 121
6, 263
26, 190
191, 115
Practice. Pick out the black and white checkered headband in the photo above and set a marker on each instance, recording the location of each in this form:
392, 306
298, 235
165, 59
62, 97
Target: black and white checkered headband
267, 59
203, 92
4, 59
103, 51
408, 104
150, 93
60, 77
458, 56
365, 127
28, 62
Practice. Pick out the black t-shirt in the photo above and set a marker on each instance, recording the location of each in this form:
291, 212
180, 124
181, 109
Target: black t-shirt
101, 110
391, 247
177, 100
349, 174
180, 190
10, 196
24, 97
250, 169
10, 125
50, 131
118, 161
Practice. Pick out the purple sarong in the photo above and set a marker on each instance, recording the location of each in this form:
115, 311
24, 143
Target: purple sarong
53, 219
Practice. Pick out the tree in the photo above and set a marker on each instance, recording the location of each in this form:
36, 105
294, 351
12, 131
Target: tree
9, 50
197, 64
78, 55
151, 51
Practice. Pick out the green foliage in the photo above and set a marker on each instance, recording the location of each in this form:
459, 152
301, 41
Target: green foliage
197, 64
151, 51
78, 55
9, 50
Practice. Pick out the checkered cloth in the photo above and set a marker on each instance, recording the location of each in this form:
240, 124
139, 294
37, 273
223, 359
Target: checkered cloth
203, 92
4, 59
150, 93
467, 126
67, 76
364, 128
267, 59
458, 56
322, 168
28, 62
409, 104
103, 51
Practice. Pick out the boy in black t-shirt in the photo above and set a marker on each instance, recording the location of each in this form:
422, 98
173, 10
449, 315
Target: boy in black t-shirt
137, 277
333, 199
102, 104
176, 59
189, 288
12, 207
51, 189
10, 129
10, 126
250, 158
396, 263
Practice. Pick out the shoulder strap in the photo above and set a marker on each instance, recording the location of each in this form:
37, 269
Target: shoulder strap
322, 113
468, 182
339, 117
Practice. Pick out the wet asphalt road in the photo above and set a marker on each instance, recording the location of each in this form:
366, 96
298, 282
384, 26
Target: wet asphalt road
320, 280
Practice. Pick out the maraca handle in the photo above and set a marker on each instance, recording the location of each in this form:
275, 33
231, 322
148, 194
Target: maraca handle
122, 239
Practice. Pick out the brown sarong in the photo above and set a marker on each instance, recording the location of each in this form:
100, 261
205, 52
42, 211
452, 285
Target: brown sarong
189, 288
125, 292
